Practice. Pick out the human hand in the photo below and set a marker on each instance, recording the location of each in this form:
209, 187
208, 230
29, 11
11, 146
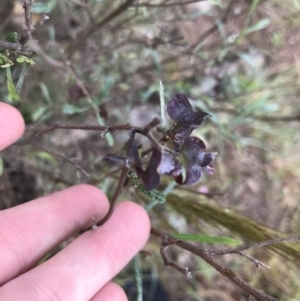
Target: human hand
83, 270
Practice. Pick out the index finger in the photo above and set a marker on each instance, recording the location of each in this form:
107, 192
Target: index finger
11, 125
80, 270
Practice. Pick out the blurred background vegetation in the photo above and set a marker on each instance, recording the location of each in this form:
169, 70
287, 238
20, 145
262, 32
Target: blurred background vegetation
100, 62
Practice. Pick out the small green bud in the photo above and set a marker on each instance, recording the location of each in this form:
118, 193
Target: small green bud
12, 37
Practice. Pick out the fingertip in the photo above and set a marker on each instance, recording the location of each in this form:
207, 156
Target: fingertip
12, 125
131, 221
111, 291
31, 230
91, 191
138, 215
85, 197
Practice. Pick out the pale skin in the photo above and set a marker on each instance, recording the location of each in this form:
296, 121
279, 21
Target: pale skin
80, 272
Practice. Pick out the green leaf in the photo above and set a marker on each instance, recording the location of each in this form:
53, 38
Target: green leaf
43, 8
71, 109
25, 59
12, 94
6, 65
20, 59
4, 61
261, 24
46, 156
45, 92
1, 166
39, 113
207, 239
162, 105
12, 37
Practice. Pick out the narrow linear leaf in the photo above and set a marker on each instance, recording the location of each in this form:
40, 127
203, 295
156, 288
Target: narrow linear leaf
45, 92
207, 239
69, 109
39, 113
46, 156
261, 24
162, 105
1, 166
43, 8
12, 94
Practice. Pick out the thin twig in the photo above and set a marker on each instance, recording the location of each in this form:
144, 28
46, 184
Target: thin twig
54, 63
17, 48
125, 21
195, 46
89, 12
125, 169
146, 132
26, 36
107, 129
119, 10
258, 245
85, 35
166, 242
257, 262
205, 255
60, 156
72, 70
58, 126
9, 46
166, 4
